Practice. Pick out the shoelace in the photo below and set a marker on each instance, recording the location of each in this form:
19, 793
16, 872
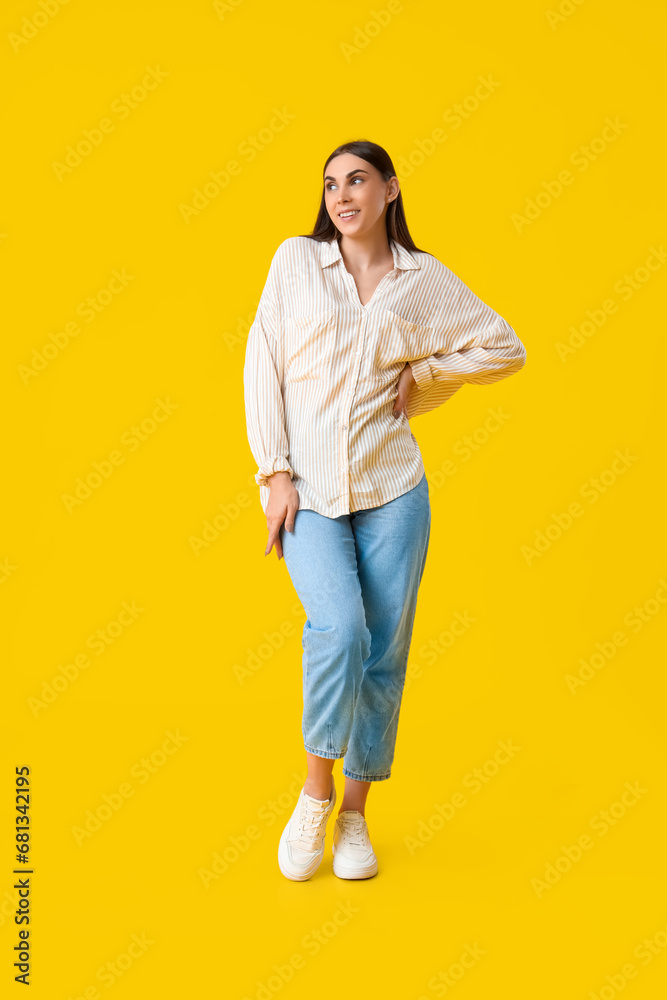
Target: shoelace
311, 824
354, 830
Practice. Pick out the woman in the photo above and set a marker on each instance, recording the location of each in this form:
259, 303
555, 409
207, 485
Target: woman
357, 330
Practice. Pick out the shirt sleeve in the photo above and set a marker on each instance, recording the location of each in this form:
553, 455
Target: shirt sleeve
473, 343
262, 385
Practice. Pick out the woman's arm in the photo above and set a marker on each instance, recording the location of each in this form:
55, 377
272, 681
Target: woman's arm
262, 385
486, 355
265, 412
470, 343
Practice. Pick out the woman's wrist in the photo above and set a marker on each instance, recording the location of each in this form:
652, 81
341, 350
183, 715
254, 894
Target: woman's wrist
277, 477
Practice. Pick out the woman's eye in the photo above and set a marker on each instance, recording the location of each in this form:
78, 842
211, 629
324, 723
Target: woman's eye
330, 186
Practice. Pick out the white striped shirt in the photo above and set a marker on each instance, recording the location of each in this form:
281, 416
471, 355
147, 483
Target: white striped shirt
321, 370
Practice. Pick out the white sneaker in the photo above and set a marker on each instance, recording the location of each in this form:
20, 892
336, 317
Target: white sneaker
353, 855
301, 846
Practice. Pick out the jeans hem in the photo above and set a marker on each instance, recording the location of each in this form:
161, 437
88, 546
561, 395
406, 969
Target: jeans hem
365, 777
335, 754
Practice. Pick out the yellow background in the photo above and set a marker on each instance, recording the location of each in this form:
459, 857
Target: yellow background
177, 332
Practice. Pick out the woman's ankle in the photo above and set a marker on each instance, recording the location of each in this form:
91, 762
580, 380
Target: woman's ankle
345, 806
318, 789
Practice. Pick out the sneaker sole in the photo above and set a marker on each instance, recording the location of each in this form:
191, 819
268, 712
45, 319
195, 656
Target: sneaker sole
342, 871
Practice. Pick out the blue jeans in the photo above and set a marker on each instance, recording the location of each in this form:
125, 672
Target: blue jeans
357, 577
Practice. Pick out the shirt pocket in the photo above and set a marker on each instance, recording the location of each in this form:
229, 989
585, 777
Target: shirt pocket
309, 344
398, 342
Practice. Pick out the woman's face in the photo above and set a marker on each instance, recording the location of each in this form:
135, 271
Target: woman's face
353, 185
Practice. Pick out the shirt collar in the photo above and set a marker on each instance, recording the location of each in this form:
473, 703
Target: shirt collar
403, 259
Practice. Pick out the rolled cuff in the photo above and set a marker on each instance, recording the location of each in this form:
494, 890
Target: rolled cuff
267, 469
422, 373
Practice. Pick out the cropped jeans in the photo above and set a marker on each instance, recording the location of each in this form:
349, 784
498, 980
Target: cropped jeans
357, 577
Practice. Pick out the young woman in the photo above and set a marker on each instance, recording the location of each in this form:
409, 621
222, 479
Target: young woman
357, 331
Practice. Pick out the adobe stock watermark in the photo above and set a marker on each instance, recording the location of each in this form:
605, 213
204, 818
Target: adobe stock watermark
224, 7
112, 802
121, 107
647, 949
239, 337
601, 823
237, 846
475, 780
625, 287
468, 446
365, 33
110, 972
582, 157
32, 25
445, 979
99, 642
7, 569
88, 309
213, 527
259, 655
248, 150
311, 943
563, 12
453, 117
431, 651
131, 439
8, 906
606, 649
591, 491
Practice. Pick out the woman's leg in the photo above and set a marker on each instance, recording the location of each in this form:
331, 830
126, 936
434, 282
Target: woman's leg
320, 555
391, 543
318, 781
356, 793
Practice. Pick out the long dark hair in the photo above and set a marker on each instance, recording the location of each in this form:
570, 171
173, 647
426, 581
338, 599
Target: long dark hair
324, 229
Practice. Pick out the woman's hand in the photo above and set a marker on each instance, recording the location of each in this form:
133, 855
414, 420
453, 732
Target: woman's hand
406, 380
282, 506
